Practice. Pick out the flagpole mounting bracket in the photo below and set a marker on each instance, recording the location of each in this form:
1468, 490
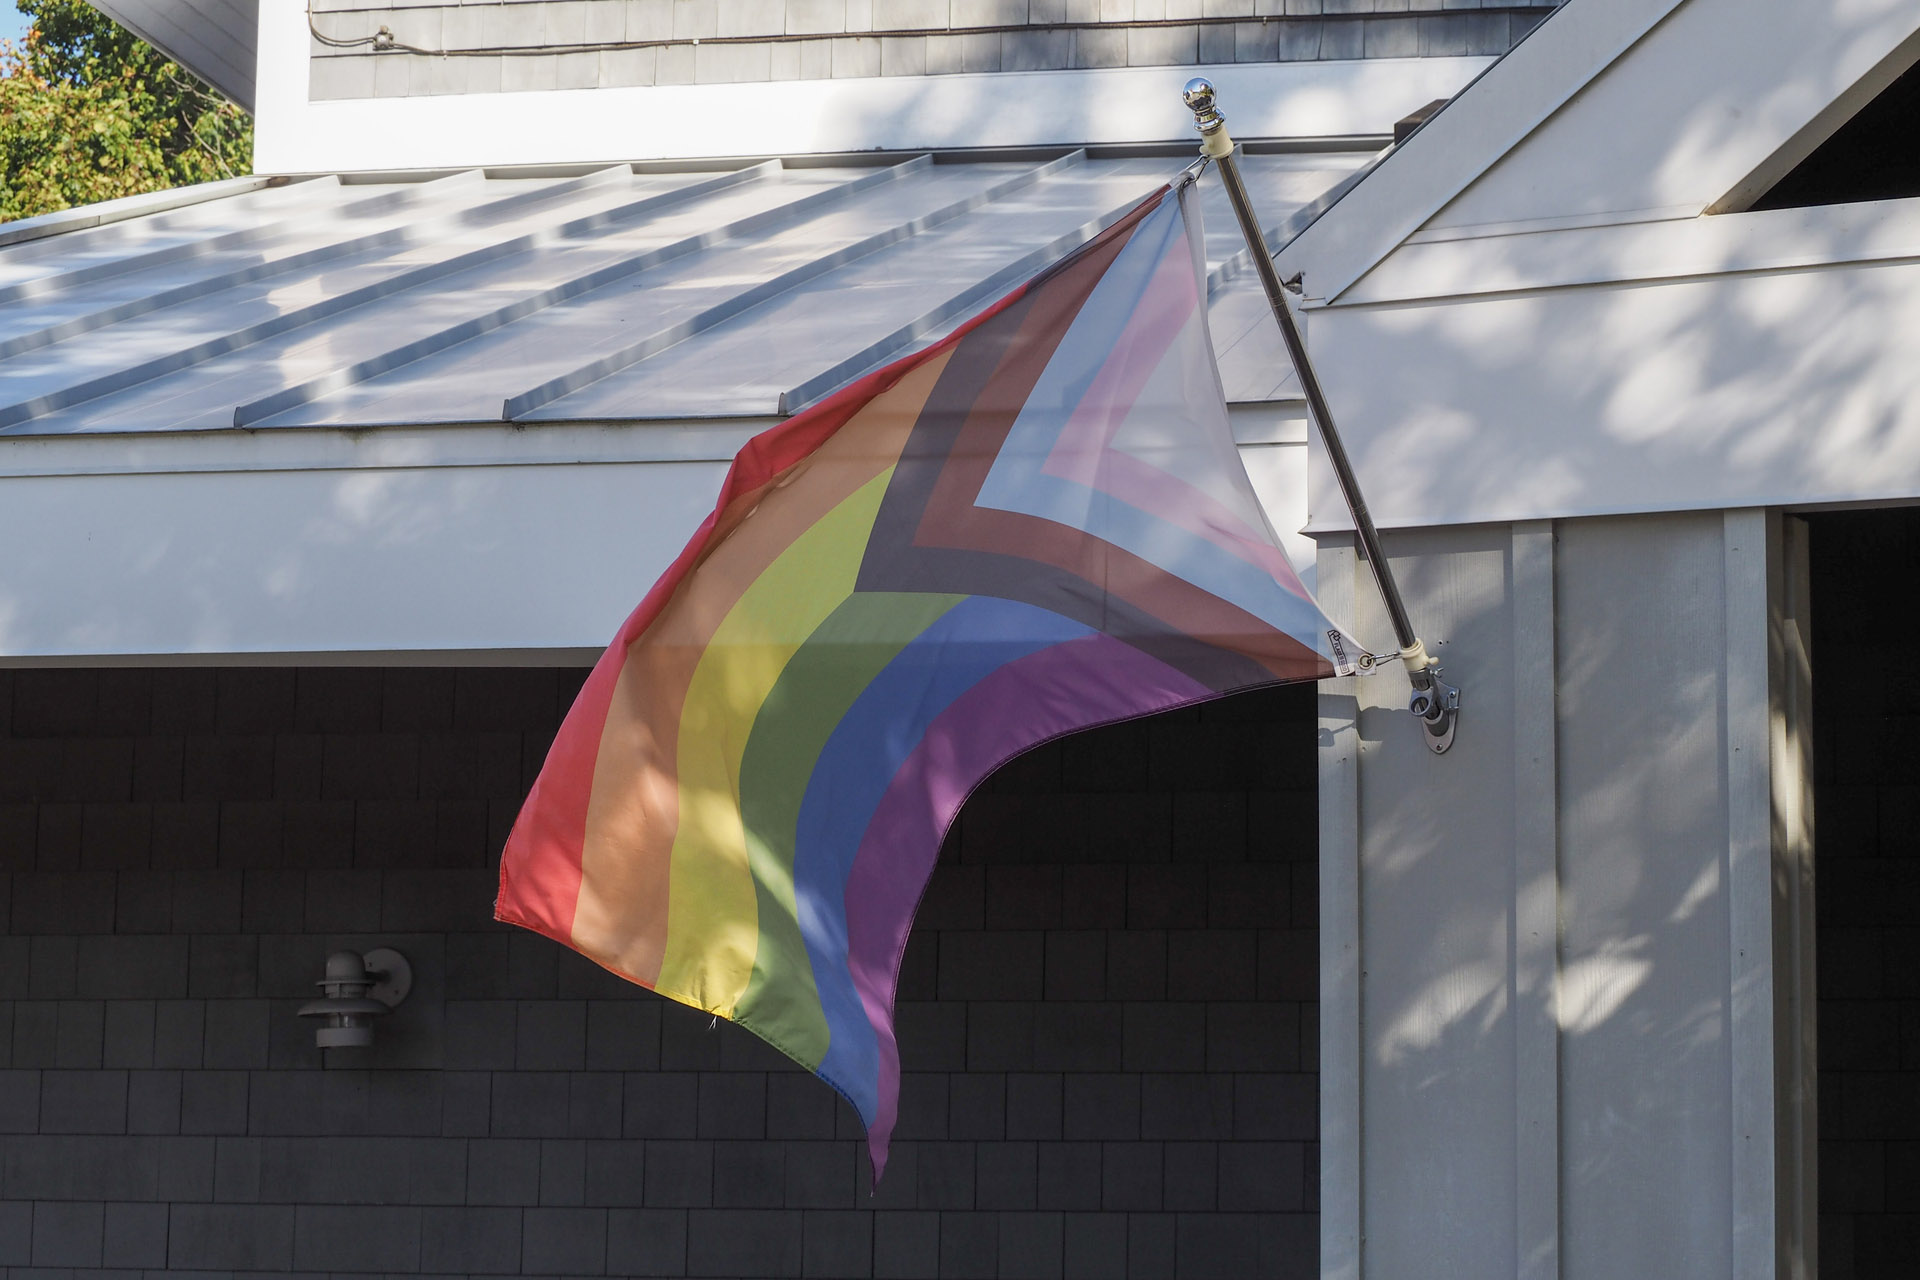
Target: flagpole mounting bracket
1437, 708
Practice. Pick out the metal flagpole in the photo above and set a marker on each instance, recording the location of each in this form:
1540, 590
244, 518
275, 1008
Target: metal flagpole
1435, 703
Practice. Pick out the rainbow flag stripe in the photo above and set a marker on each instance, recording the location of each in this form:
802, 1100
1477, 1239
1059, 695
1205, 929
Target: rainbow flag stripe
1037, 525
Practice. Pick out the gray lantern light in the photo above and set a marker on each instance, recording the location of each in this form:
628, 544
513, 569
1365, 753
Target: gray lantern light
359, 989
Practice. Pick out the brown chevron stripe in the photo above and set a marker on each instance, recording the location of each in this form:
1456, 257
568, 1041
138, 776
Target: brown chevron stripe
931, 537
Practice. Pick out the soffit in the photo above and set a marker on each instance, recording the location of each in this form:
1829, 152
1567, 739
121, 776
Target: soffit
214, 39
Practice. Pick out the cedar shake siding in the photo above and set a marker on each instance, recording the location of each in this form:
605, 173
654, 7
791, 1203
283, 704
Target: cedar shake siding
1107, 1014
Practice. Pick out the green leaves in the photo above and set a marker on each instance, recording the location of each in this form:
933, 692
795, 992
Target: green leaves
90, 112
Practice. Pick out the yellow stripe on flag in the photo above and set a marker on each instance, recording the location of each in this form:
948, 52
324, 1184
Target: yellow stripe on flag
713, 925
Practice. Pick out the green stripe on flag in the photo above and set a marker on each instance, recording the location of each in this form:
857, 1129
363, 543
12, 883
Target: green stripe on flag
813, 694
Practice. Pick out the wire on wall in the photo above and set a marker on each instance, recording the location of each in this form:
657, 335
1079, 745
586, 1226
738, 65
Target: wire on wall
383, 39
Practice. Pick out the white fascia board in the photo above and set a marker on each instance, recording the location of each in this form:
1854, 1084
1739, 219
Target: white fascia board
1719, 244
1788, 387
492, 444
388, 545
1418, 178
1298, 100
368, 561
376, 448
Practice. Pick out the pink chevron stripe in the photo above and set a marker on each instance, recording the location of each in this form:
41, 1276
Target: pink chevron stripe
1083, 452
1163, 309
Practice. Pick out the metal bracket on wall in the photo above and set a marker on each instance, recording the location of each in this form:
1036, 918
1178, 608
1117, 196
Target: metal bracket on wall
1438, 709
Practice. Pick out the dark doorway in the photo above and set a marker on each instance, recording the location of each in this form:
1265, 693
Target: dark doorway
1867, 887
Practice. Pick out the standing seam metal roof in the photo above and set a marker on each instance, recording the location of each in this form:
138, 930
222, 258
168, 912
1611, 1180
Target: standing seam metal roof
624, 294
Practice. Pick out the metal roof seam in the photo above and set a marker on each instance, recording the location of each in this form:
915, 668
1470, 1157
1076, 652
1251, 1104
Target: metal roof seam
929, 323
410, 234
259, 410
779, 284
517, 406
145, 303
85, 217
707, 295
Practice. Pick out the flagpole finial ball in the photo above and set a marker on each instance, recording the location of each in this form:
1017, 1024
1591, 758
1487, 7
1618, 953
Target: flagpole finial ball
1215, 142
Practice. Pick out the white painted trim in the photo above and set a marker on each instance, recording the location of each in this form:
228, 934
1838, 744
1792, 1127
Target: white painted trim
1342, 1056
329, 658
277, 562
1003, 109
495, 444
385, 448
1573, 45
1536, 910
1749, 871
1568, 222
1530, 260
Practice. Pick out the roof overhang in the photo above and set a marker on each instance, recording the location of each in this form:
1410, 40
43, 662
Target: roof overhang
395, 418
214, 39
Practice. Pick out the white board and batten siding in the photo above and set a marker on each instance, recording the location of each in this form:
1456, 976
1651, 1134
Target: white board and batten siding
1556, 962
1567, 968
1581, 318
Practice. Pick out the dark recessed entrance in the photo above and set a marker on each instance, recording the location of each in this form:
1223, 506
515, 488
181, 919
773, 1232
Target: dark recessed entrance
1867, 894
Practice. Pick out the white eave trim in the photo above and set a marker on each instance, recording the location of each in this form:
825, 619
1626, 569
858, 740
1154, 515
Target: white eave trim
485, 444
1629, 253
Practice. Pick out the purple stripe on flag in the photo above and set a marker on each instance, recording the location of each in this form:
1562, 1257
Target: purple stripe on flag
1068, 686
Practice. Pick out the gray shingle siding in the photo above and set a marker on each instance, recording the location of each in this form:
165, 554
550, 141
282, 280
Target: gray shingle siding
733, 41
1107, 1017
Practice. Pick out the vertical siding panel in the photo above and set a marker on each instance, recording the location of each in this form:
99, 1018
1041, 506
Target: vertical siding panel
1437, 878
1645, 1041
1750, 891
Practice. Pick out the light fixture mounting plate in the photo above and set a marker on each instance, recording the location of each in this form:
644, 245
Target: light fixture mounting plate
392, 975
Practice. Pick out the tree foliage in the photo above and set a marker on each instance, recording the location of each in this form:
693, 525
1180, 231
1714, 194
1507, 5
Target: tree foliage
88, 112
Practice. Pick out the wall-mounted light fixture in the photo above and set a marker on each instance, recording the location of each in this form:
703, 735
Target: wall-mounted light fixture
359, 989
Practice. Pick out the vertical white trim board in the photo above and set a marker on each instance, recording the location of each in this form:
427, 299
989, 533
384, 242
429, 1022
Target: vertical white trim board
1536, 909
1341, 1057
1750, 891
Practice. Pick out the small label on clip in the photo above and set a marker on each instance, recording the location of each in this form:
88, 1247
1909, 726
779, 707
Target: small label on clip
1342, 665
